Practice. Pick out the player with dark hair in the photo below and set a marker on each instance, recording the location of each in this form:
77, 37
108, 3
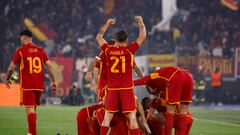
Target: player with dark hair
154, 115
31, 60
120, 95
154, 108
120, 122
175, 85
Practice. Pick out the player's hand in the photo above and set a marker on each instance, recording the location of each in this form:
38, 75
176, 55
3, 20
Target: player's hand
138, 19
54, 86
111, 21
8, 83
88, 76
147, 129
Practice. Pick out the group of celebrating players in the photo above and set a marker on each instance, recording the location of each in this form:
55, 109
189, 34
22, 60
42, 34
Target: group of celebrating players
118, 111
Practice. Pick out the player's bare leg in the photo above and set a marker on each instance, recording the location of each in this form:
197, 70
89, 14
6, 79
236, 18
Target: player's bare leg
31, 117
108, 116
183, 109
169, 118
134, 128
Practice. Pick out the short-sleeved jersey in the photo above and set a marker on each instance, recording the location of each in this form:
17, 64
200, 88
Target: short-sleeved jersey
160, 78
30, 59
119, 64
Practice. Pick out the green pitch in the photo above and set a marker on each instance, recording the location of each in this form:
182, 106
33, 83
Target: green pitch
62, 119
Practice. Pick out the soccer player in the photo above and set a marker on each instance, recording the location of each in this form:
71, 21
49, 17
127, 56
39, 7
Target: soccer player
31, 60
120, 96
175, 85
101, 66
154, 109
86, 122
100, 63
154, 113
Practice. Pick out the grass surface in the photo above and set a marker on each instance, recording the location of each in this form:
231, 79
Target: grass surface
62, 119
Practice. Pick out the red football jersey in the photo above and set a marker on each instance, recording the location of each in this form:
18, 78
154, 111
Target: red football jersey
119, 64
159, 79
102, 65
30, 59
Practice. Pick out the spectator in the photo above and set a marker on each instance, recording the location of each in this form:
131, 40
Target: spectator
216, 83
199, 86
75, 95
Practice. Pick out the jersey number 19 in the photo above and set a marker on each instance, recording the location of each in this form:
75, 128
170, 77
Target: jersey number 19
35, 65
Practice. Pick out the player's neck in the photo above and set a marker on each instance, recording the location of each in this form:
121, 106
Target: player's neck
27, 42
121, 44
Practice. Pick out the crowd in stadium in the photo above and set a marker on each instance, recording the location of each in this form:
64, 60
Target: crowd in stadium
203, 30
70, 33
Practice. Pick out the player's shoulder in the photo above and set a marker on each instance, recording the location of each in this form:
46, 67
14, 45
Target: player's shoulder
18, 49
134, 43
36, 46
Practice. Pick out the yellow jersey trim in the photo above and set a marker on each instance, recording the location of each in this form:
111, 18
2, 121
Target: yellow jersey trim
32, 89
120, 88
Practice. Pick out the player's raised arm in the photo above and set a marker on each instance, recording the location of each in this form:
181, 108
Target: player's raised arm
142, 30
52, 74
101, 41
9, 74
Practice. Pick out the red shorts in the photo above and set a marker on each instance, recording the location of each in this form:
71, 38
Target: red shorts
120, 101
30, 97
180, 88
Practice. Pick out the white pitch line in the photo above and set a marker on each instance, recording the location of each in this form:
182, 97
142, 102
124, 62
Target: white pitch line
218, 122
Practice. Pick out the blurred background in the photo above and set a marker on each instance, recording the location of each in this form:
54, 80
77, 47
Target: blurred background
198, 35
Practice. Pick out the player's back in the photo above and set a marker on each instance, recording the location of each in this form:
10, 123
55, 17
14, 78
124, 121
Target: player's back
120, 63
31, 59
168, 72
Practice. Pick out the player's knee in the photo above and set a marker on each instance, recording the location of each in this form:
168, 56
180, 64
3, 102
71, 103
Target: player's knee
107, 119
29, 110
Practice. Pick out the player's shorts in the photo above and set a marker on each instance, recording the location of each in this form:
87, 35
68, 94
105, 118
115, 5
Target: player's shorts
30, 97
180, 88
120, 101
